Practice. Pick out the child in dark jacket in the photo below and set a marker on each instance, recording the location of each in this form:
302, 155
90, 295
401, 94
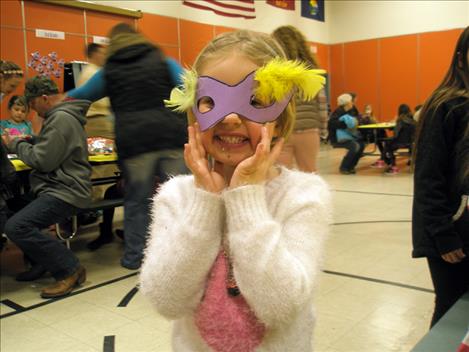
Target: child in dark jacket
403, 138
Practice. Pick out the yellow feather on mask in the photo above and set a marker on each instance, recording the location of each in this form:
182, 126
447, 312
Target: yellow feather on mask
182, 98
279, 77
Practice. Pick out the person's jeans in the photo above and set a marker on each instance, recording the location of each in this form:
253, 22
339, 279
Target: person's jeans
139, 175
355, 151
24, 229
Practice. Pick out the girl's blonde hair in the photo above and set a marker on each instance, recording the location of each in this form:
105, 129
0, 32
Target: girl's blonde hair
260, 48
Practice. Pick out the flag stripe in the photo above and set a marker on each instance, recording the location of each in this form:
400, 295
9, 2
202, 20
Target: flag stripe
206, 5
229, 5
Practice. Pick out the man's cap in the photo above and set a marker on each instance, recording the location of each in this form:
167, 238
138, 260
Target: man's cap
39, 86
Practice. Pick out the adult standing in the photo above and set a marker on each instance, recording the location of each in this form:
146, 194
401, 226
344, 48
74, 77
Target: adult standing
311, 116
11, 76
440, 218
149, 137
99, 118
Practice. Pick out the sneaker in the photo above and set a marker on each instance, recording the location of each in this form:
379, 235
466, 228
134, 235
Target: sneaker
347, 172
392, 170
378, 164
130, 265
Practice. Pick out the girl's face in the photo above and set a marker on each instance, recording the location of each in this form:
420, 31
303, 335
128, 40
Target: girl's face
9, 85
234, 138
18, 113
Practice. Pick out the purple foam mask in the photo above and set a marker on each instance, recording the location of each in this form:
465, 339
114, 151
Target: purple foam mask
236, 99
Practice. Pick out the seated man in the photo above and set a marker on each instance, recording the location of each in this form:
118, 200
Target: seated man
343, 133
60, 180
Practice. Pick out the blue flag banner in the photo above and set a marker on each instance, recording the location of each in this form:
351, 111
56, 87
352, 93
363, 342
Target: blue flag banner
313, 9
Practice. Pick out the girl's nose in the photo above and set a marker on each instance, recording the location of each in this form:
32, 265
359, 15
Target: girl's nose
232, 118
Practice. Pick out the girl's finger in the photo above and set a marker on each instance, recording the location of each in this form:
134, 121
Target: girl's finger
198, 137
193, 143
259, 155
276, 150
188, 157
266, 139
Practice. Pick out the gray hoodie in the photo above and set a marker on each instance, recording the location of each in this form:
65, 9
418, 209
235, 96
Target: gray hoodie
59, 155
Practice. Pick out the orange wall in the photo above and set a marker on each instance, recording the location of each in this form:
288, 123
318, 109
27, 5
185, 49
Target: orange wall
387, 72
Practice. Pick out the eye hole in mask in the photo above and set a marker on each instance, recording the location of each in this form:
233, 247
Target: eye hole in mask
256, 103
205, 104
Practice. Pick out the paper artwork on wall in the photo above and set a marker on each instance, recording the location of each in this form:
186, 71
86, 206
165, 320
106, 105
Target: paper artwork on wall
47, 65
313, 9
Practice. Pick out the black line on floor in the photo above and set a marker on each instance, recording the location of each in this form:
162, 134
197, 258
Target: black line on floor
74, 293
383, 194
367, 222
17, 307
125, 301
386, 282
108, 345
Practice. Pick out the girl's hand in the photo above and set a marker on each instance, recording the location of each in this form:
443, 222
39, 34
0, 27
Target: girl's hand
454, 257
7, 139
196, 160
255, 169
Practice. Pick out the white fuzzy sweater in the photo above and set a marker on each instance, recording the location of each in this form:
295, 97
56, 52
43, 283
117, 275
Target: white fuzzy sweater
275, 234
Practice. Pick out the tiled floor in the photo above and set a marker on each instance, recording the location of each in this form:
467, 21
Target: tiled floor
372, 296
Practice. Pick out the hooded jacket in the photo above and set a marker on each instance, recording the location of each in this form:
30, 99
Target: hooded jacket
59, 155
440, 220
138, 81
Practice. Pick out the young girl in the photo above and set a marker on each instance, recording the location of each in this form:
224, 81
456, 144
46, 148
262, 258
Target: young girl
16, 126
440, 217
235, 249
10, 77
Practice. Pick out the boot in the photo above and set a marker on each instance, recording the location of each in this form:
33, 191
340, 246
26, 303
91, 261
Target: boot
105, 236
64, 287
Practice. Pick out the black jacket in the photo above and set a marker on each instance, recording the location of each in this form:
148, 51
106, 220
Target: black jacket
437, 192
7, 174
137, 82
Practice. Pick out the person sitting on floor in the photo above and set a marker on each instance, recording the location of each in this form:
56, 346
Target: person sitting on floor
403, 138
60, 179
343, 134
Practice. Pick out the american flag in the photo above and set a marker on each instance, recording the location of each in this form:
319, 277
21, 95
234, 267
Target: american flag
233, 8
